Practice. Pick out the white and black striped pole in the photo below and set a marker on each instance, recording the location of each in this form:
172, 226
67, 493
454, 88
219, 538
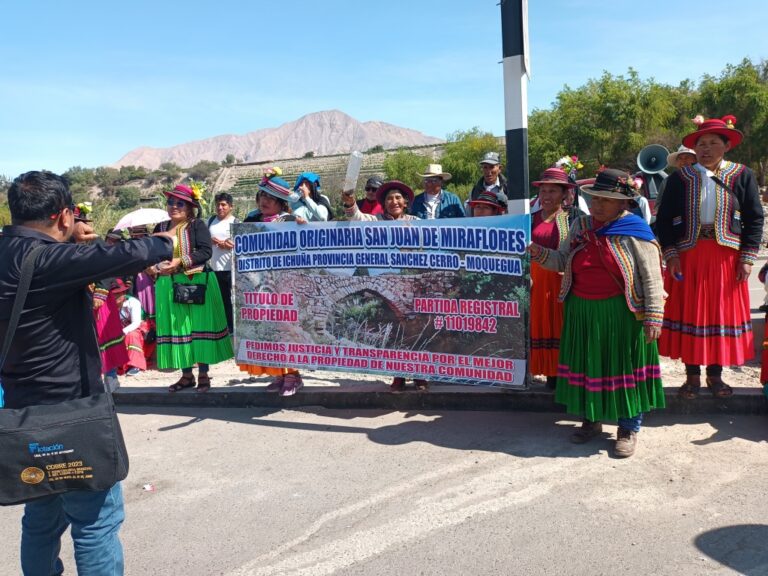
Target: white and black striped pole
514, 40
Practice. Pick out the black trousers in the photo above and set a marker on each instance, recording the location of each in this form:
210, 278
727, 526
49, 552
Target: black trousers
225, 286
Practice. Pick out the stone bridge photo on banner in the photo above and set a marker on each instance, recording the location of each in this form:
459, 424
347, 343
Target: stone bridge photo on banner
443, 302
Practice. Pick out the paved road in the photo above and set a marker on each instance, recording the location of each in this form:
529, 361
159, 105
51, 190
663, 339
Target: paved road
314, 492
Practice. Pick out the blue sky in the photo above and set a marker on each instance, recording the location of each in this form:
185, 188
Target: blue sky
84, 82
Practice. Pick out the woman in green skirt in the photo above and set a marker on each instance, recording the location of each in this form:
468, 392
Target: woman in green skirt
189, 334
608, 367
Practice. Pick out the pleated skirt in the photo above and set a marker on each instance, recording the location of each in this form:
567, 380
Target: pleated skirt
707, 314
606, 369
546, 318
190, 333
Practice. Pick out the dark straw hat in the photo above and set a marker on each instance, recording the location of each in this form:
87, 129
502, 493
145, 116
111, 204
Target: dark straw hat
496, 199
612, 183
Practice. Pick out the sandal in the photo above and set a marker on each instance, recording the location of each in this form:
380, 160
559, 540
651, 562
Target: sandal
719, 388
183, 382
690, 390
203, 383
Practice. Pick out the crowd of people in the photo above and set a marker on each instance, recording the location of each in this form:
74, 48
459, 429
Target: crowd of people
591, 261
609, 295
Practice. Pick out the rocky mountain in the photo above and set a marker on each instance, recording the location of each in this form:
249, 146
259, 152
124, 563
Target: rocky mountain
323, 133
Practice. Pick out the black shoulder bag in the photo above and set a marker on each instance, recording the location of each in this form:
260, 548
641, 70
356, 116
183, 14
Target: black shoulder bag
54, 448
190, 293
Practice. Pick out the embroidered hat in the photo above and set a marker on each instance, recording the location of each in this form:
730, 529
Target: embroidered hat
436, 171
183, 193
723, 126
490, 158
672, 158
496, 199
554, 175
387, 187
612, 183
278, 188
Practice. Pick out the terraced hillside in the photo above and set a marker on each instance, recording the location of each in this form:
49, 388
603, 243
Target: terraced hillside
241, 180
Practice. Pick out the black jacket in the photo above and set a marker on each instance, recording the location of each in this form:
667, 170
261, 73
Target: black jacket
54, 349
742, 220
201, 246
480, 186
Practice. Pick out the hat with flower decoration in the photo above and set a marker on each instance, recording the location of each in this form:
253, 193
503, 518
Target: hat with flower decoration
82, 211
724, 126
193, 194
616, 184
276, 187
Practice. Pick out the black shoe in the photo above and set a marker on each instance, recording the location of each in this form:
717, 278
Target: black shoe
551, 382
398, 384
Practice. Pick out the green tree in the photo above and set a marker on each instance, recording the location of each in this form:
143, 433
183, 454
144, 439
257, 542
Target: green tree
5, 213
81, 180
5, 183
107, 179
463, 152
229, 160
608, 121
406, 165
129, 173
309, 154
167, 173
544, 148
203, 169
741, 90
128, 197
375, 149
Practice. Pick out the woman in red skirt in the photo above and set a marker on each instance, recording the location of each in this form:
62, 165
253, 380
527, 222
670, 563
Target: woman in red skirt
710, 227
549, 227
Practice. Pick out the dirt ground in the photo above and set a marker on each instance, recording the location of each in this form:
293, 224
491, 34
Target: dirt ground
228, 374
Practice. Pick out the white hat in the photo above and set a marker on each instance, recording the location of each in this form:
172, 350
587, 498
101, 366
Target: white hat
434, 170
672, 158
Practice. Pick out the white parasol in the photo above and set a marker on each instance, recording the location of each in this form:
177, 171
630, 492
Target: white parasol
142, 217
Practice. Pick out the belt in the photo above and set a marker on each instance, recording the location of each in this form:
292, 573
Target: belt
707, 231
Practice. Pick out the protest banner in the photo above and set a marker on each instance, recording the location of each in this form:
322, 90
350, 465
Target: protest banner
442, 300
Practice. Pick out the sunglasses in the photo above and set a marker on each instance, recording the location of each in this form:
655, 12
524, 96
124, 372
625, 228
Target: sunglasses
175, 203
433, 179
370, 189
